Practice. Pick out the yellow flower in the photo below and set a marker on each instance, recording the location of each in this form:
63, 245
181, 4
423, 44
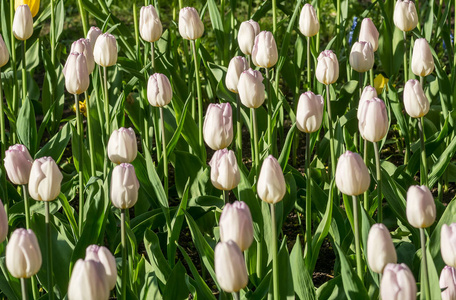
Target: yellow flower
380, 83
82, 107
33, 4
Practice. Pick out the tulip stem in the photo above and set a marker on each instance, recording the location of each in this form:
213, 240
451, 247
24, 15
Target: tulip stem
308, 203
427, 290
83, 16
200, 99
152, 56
53, 34
269, 111
165, 155
3, 146
275, 262
366, 193
309, 79
107, 118
24, 289
379, 184
236, 296
371, 77
331, 139
14, 68
49, 251
81, 164
238, 130
90, 134
26, 206
124, 255
255, 142
423, 177
359, 267
405, 56
361, 84
226, 197
274, 18
153, 112
24, 73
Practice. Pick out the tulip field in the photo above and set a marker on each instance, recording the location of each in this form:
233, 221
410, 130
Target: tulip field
227, 149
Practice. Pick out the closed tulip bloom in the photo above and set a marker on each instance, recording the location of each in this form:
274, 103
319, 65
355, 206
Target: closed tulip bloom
124, 186
18, 164
380, 248
122, 146
264, 53
190, 25
102, 255
397, 283
88, 281
159, 91
308, 21
236, 224
447, 283
225, 173
34, 5
251, 88
237, 65
23, 23
218, 126
421, 210
271, 187
105, 50
362, 57
93, 34
230, 268
415, 101
448, 244
83, 46
373, 122
246, 36
4, 54
405, 17
369, 33
327, 71
422, 60
45, 179
368, 93
352, 175
150, 26
76, 74
310, 112
3, 223
23, 255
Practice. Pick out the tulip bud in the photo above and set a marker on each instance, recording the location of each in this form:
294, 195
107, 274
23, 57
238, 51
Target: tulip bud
447, 283
380, 83
405, 17
246, 36
415, 101
397, 283
92, 35
327, 70
251, 88
4, 54
23, 255
308, 21
368, 93
105, 50
190, 25
237, 65
3, 223
271, 187
421, 210
124, 186
264, 53
122, 147
310, 112
380, 248
88, 281
218, 126
45, 179
18, 164
34, 5
362, 57
23, 23
225, 173
352, 175
230, 268
150, 26
83, 46
159, 91
369, 33
102, 255
448, 244
373, 122
76, 74
236, 224
422, 60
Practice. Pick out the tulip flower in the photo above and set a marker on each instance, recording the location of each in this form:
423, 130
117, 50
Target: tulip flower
308, 21
190, 25
246, 36
251, 88
23, 255
88, 281
105, 50
23, 23
218, 126
373, 121
398, 283
352, 175
327, 71
380, 248
421, 211
76, 74
18, 164
405, 17
236, 224
236, 66
3, 223
368, 93
124, 186
4, 54
34, 5
380, 83
225, 173
102, 255
448, 244
369, 33
271, 187
230, 268
362, 57
45, 179
122, 146
150, 26
93, 34
447, 283
159, 91
422, 60
264, 53
415, 101
83, 46
310, 112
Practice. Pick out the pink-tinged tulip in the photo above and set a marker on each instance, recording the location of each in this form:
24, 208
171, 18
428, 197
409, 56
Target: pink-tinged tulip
421, 210
23, 23
76, 74
271, 187
415, 101
327, 71
93, 34
102, 255
380, 248
45, 179
23, 255
83, 46
190, 25
362, 57
447, 283
225, 173
405, 17
448, 244
105, 50
373, 122
251, 88
237, 65
264, 53
369, 93
4, 54
122, 146
159, 91
422, 60
236, 224
246, 36
18, 164
124, 186
352, 175
308, 21
230, 268
369, 33
310, 112
218, 126
150, 26
88, 281
3, 223
398, 283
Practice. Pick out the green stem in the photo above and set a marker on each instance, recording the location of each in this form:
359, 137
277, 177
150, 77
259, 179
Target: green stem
154, 114
26, 206
165, 155
359, 267
238, 130
226, 197
53, 33
426, 287
379, 184
152, 56
80, 162
256, 160
24, 73
14, 67
3, 144
136, 25
124, 255
107, 118
275, 262
236, 296
90, 135
50, 278
308, 203
24, 289
200, 99
360, 83
337, 16
269, 111
405, 57
331, 139
366, 193
371, 77
83, 16
274, 18
309, 79
424, 177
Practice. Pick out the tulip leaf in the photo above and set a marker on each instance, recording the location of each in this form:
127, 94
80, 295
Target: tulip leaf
439, 167
57, 144
9, 285
302, 281
156, 258
286, 289
285, 154
26, 126
332, 290
175, 289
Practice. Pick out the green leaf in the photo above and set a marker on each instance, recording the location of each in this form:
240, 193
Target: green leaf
302, 282
156, 258
57, 144
174, 288
26, 126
